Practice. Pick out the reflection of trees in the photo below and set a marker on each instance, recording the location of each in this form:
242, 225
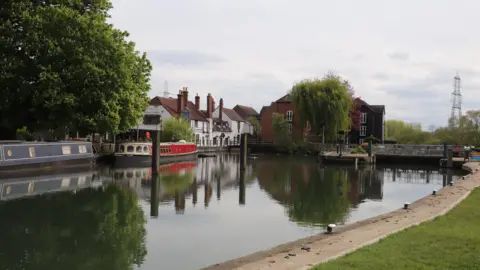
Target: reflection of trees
92, 229
310, 195
175, 182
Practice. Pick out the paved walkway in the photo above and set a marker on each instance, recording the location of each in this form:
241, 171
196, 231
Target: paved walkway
351, 237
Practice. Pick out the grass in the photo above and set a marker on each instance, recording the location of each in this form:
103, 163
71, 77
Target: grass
451, 241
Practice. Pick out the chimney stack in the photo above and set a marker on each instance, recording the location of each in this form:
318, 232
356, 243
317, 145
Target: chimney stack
220, 109
179, 102
197, 102
185, 98
209, 106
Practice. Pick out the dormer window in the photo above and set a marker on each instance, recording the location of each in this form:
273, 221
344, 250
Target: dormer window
289, 116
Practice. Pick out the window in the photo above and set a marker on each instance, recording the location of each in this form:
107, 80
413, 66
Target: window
197, 139
290, 128
364, 118
289, 116
363, 130
66, 150
360, 141
196, 123
82, 149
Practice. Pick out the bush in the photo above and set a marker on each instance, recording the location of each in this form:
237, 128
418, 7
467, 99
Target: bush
359, 150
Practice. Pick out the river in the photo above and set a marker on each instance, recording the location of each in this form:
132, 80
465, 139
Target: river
197, 213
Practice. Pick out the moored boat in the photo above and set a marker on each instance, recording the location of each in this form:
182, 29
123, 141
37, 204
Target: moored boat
139, 154
18, 157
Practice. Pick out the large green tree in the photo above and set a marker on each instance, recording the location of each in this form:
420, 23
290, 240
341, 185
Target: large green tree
174, 129
62, 66
324, 103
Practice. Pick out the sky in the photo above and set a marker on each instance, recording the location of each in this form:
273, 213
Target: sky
401, 54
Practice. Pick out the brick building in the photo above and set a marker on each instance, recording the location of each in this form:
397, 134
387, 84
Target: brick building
372, 122
285, 107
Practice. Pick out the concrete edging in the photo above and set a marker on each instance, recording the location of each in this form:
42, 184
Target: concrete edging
363, 233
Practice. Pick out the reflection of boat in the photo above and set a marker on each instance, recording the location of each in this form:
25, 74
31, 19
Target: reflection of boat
22, 156
139, 154
30, 186
174, 176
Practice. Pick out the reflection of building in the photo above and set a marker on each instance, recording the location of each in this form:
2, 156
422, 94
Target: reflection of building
412, 175
180, 180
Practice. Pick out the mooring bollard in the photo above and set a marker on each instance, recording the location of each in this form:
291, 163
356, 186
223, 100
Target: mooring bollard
330, 228
434, 193
405, 206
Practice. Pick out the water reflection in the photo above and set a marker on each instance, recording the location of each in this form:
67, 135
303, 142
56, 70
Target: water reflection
104, 228
100, 228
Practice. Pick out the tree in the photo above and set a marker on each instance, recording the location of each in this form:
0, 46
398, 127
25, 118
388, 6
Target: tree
282, 137
83, 75
326, 104
176, 129
257, 128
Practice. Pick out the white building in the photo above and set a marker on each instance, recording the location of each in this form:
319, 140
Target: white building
234, 124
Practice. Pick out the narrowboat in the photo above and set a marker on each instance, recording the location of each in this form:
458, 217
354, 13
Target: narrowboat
20, 187
139, 154
18, 157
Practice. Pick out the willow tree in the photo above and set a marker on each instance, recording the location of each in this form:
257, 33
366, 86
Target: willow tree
326, 104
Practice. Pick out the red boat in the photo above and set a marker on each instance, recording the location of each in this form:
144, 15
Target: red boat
139, 154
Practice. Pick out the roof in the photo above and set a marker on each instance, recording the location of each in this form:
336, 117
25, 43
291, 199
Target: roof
285, 99
245, 111
170, 105
264, 108
233, 115
373, 108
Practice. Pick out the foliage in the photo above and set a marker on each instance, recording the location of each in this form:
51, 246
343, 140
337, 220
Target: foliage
325, 104
312, 196
466, 133
91, 229
257, 128
62, 65
359, 150
280, 129
447, 242
176, 129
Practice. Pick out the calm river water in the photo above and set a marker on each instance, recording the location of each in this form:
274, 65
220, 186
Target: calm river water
197, 214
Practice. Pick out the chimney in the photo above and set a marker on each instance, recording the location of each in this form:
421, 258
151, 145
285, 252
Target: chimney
185, 98
220, 109
197, 102
209, 106
179, 102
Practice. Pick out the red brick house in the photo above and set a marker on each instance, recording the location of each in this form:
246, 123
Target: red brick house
285, 107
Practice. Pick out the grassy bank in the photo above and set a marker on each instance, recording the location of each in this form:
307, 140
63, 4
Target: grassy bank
447, 242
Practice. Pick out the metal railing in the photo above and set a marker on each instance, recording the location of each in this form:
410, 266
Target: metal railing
414, 150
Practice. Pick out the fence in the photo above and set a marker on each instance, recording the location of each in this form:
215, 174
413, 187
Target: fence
414, 150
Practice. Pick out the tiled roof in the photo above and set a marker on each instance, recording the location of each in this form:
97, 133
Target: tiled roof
233, 115
285, 99
170, 105
245, 111
374, 108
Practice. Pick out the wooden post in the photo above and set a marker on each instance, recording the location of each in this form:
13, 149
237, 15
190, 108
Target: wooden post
154, 192
243, 151
445, 150
450, 158
155, 151
369, 148
241, 189
194, 191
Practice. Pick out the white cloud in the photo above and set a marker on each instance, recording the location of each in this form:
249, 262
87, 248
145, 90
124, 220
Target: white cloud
402, 54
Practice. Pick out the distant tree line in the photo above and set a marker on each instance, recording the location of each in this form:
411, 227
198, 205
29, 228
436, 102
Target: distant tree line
63, 67
467, 132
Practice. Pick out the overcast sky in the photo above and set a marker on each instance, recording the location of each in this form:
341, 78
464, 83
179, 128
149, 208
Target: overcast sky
403, 54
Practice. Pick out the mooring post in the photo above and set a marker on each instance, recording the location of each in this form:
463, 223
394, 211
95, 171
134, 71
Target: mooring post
155, 151
243, 151
369, 149
241, 188
450, 158
154, 192
445, 150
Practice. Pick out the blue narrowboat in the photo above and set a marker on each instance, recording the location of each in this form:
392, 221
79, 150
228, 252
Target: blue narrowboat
18, 157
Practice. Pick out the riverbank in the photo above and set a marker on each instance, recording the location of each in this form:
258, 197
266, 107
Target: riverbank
447, 242
348, 238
